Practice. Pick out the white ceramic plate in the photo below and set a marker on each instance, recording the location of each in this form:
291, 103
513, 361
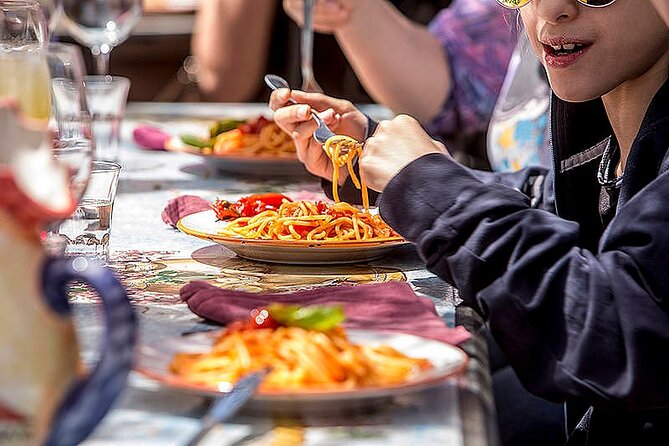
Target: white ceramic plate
266, 166
447, 360
205, 226
250, 165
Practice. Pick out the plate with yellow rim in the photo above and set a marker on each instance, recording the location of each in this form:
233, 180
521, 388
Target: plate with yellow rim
204, 225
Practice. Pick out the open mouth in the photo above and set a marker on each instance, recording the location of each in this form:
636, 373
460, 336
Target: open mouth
565, 49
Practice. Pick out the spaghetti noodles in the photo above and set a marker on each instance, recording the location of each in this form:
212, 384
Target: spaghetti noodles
270, 141
342, 150
298, 358
309, 221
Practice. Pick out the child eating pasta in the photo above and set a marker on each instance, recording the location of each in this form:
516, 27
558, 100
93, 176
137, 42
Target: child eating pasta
567, 264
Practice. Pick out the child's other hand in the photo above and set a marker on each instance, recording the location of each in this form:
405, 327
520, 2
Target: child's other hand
395, 144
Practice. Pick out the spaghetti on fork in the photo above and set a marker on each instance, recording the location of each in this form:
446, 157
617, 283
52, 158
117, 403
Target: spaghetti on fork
343, 150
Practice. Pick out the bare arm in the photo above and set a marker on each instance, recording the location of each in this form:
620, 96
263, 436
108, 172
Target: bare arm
231, 41
400, 63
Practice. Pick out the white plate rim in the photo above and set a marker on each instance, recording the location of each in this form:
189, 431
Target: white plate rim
448, 360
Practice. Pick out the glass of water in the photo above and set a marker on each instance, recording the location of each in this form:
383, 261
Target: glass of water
88, 229
106, 97
100, 25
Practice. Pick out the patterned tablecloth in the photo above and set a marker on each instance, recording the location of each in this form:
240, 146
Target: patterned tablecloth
154, 260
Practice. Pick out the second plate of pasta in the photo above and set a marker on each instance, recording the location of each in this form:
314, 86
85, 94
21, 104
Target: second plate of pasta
204, 225
246, 147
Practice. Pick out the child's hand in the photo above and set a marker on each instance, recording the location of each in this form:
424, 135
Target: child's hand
395, 144
295, 119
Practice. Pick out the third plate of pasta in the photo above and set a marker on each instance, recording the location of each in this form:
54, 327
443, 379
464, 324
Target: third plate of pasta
304, 365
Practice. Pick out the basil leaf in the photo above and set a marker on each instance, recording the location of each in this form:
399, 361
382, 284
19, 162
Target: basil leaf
195, 141
314, 317
224, 126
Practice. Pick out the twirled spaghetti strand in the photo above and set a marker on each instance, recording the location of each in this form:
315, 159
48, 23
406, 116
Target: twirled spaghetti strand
342, 150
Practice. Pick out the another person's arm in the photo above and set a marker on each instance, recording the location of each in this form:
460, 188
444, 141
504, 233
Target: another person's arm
400, 63
231, 41
416, 70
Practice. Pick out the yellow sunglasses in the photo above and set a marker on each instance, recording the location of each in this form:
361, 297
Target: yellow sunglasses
517, 4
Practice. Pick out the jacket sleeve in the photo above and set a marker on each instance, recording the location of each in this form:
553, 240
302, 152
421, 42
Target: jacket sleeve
573, 323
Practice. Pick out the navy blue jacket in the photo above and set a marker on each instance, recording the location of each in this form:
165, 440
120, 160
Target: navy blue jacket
579, 310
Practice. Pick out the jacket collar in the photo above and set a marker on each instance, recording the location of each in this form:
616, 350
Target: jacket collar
578, 131
577, 128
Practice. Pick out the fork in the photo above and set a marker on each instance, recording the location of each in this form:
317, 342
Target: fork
309, 83
228, 405
322, 132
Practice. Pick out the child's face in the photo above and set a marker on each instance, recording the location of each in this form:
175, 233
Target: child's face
588, 52
662, 7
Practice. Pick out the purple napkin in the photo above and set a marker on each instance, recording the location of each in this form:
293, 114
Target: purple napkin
179, 207
148, 137
388, 306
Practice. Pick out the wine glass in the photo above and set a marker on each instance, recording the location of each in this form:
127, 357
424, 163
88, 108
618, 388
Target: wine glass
101, 25
52, 10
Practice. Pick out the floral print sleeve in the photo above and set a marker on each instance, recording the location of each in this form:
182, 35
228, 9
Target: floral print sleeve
478, 38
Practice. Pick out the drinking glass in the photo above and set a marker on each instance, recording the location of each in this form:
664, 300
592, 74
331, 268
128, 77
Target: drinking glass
47, 132
22, 24
71, 122
88, 229
106, 97
101, 25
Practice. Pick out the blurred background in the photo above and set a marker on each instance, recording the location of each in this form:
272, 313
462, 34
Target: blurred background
162, 42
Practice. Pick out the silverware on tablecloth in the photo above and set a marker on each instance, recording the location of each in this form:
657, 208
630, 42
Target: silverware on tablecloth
227, 405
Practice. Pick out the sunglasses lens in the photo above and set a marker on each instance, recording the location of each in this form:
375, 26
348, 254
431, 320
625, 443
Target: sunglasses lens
516, 4
597, 3
513, 4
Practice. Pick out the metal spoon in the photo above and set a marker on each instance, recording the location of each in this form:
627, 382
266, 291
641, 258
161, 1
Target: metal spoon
228, 405
309, 83
322, 132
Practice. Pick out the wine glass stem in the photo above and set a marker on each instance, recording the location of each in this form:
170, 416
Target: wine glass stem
101, 62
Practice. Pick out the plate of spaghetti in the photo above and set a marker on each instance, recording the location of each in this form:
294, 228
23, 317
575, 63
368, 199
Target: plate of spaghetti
273, 228
251, 146
308, 354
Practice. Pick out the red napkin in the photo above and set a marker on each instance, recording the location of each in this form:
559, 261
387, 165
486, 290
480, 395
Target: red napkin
388, 306
179, 207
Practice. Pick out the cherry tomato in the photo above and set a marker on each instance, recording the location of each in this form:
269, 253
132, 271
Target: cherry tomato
253, 126
248, 206
257, 203
260, 318
225, 210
